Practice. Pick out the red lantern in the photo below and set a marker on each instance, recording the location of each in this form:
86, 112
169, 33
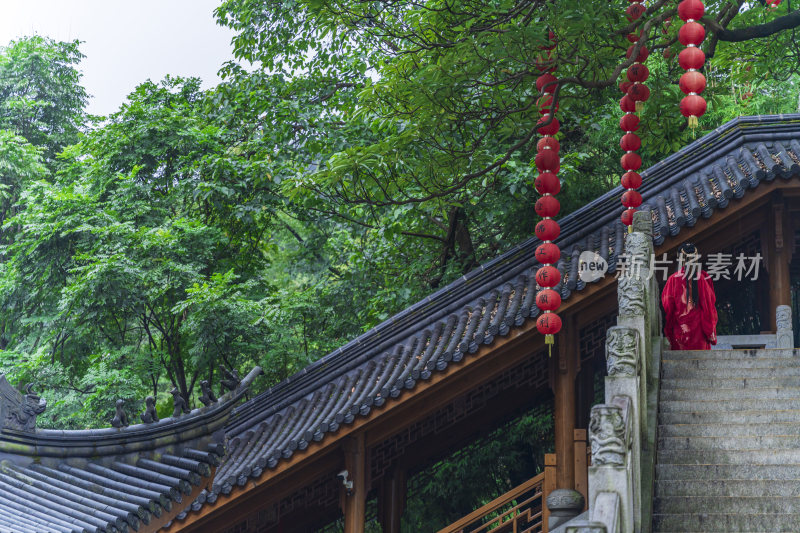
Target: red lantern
546, 80
629, 122
627, 217
548, 183
630, 142
548, 300
639, 92
691, 58
691, 33
548, 323
631, 180
627, 104
550, 129
638, 72
625, 85
631, 161
631, 199
642, 56
691, 10
548, 276
634, 11
693, 105
692, 82
667, 53
548, 143
547, 253
545, 103
547, 160
547, 229
547, 206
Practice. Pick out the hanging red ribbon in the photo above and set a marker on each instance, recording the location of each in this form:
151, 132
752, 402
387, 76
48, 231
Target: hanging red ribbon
548, 163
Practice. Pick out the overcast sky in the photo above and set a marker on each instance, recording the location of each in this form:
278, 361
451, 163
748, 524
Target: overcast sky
126, 41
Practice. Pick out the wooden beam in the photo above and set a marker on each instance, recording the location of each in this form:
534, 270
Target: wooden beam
564, 392
354, 499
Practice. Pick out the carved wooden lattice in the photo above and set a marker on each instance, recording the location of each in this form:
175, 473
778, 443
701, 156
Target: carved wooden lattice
592, 343
530, 374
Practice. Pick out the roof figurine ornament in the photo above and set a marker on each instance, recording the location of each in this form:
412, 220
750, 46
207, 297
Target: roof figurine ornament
179, 403
208, 396
149, 415
230, 379
120, 419
18, 412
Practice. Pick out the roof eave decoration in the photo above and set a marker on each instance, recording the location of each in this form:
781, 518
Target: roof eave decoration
131, 478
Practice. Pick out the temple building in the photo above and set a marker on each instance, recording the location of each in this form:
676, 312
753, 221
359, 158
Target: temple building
340, 440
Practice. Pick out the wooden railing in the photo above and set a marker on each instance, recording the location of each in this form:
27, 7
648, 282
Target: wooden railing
518, 510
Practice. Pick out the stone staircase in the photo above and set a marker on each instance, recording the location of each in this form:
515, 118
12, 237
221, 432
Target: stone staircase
728, 451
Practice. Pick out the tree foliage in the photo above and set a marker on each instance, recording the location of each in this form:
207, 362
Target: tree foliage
361, 156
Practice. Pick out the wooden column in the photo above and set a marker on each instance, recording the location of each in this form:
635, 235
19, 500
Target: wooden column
581, 465
566, 368
778, 256
392, 500
355, 499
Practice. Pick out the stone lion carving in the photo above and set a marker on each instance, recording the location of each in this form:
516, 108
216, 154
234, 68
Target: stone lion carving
622, 356
607, 435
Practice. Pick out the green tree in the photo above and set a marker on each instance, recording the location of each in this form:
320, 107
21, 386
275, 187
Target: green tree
41, 98
143, 258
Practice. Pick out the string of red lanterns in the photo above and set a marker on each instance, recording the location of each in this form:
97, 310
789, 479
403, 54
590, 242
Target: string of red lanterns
691, 59
635, 95
547, 185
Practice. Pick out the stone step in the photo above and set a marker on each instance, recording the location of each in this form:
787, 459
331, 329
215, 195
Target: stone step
665, 472
741, 505
744, 404
753, 393
729, 457
683, 371
727, 417
743, 382
729, 354
728, 430
709, 522
782, 442
749, 362
725, 488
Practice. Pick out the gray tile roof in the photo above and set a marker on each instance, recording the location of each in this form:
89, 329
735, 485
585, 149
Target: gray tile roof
447, 326
106, 480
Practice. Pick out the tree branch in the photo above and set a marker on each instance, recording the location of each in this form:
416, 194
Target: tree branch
786, 22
